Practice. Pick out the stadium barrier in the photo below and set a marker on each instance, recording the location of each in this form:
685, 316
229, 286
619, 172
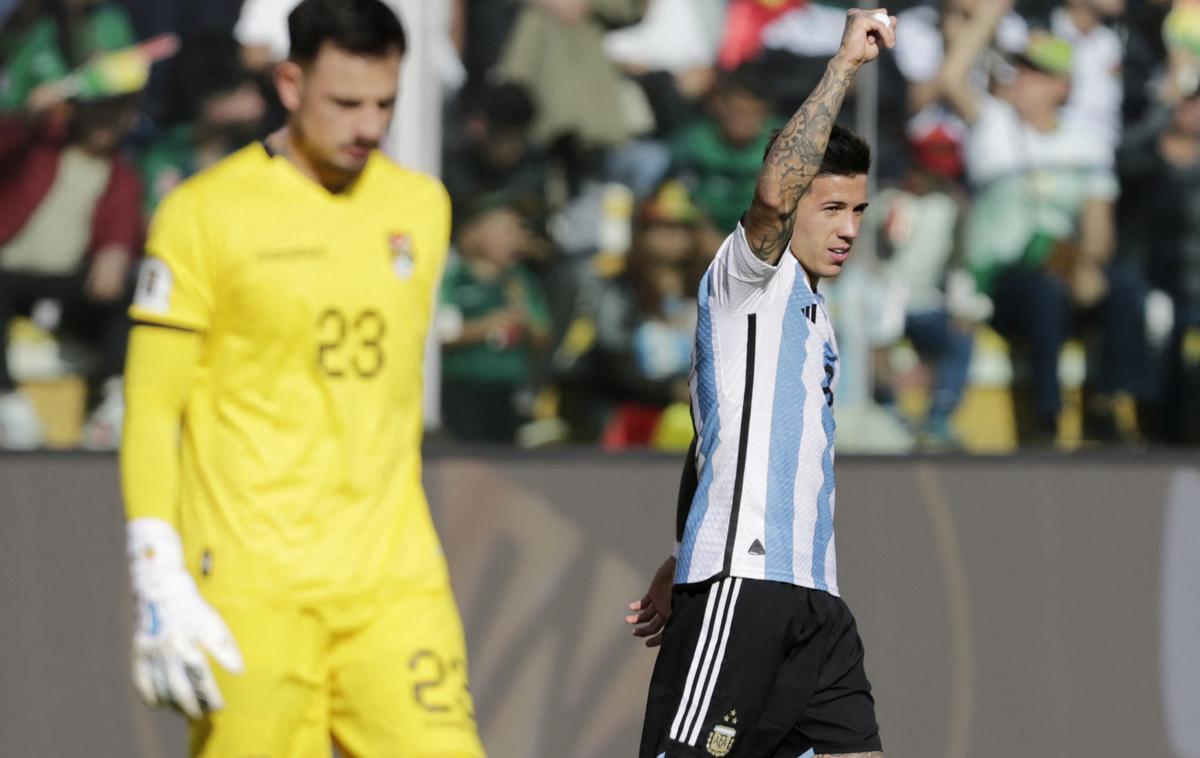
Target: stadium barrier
1029, 606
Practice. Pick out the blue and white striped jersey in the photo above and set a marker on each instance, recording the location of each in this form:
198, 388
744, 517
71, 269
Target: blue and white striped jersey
764, 372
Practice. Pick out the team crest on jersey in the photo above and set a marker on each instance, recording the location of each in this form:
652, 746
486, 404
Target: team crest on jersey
402, 254
720, 739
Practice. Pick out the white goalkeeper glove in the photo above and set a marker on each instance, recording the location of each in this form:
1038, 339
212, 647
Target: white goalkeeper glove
175, 625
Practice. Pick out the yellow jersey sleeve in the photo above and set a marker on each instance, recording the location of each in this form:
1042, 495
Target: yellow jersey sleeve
159, 375
176, 283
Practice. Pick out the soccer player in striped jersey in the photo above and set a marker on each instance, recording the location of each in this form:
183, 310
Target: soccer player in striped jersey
760, 657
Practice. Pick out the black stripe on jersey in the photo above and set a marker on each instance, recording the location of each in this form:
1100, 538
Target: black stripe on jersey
688, 481
743, 442
172, 327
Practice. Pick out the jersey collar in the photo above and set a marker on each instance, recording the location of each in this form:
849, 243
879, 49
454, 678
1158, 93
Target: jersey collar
288, 168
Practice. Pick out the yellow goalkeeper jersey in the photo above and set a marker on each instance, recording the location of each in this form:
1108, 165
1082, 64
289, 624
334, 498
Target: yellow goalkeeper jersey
300, 446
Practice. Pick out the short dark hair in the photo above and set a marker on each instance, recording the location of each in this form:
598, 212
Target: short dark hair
846, 154
361, 27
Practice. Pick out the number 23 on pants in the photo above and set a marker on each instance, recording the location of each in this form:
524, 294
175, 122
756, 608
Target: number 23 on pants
384, 679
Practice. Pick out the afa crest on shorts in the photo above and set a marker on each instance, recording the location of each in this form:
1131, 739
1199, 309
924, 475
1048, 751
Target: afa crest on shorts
403, 261
720, 739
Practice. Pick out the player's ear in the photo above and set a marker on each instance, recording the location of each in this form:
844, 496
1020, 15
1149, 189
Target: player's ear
289, 80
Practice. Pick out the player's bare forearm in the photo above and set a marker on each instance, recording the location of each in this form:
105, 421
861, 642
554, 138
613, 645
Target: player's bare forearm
793, 162
795, 158
872, 754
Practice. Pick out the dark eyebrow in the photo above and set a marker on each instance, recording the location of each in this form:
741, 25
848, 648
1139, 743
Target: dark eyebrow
861, 207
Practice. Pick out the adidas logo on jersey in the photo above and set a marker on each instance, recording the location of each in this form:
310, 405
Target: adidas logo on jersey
756, 548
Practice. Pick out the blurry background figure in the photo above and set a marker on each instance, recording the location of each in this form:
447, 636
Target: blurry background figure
482, 28
646, 323
1145, 56
492, 320
1041, 235
719, 155
197, 25
934, 132
556, 50
920, 220
223, 110
919, 235
491, 152
45, 40
806, 29
488, 154
1160, 214
70, 226
744, 26
598, 123
671, 55
1097, 53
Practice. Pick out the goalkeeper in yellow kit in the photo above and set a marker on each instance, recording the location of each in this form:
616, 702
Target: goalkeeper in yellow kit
271, 465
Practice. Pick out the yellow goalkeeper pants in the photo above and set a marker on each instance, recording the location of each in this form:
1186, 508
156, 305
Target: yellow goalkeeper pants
384, 679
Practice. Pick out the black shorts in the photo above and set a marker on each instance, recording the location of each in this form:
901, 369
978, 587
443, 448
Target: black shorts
758, 669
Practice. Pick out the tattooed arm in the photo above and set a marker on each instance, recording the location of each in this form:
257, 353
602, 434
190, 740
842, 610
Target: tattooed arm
795, 158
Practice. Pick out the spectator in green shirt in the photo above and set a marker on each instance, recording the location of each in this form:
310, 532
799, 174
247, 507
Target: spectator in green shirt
492, 319
720, 156
46, 39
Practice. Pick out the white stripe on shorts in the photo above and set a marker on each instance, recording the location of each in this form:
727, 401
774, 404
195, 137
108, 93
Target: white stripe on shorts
701, 642
712, 680
706, 660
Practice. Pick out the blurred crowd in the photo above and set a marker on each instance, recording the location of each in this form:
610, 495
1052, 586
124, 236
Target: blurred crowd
1029, 273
